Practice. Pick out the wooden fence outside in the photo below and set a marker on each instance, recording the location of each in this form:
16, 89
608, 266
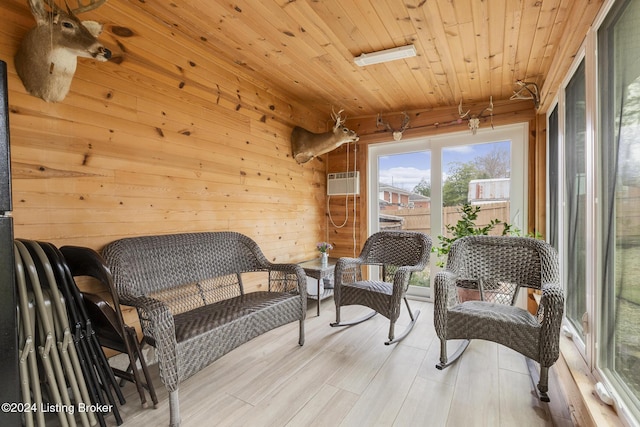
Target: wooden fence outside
419, 219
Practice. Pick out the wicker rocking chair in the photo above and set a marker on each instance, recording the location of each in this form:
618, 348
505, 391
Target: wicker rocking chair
495, 268
399, 254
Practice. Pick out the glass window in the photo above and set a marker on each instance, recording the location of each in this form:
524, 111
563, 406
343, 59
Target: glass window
619, 87
575, 200
553, 204
425, 182
404, 183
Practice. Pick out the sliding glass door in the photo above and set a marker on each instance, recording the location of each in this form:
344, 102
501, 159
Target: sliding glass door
619, 86
575, 193
594, 197
422, 184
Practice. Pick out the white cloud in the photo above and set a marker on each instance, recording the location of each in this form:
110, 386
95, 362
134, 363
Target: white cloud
404, 177
463, 149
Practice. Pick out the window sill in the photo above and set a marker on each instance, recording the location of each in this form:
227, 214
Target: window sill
579, 388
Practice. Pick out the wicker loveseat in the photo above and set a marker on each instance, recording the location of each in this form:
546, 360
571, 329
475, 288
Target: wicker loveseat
189, 295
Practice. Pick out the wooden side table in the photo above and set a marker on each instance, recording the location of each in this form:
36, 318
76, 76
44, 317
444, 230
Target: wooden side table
314, 268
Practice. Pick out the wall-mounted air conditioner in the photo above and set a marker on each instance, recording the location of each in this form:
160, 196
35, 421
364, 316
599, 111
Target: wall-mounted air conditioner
341, 183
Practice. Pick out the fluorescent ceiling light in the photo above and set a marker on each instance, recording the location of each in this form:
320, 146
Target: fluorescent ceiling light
385, 55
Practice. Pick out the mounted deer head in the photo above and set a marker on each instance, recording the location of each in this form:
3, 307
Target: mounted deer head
46, 60
307, 145
397, 134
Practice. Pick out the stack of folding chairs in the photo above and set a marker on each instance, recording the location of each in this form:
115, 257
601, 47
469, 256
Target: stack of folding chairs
63, 369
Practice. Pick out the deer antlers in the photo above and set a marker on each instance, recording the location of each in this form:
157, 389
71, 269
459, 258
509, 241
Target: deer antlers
397, 134
528, 90
81, 7
336, 116
474, 119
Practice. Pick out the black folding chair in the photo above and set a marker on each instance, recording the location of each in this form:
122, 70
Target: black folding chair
107, 319
95, 365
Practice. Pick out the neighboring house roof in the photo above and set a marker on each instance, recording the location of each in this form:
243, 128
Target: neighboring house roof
415, 197
392, 189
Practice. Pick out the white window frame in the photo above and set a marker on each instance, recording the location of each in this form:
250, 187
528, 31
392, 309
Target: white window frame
516, 133
589, 348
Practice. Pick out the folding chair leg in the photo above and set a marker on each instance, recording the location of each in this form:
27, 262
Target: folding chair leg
105, 376
91, 380
446, 362
24, 378
137, 351
132, 373
148, 383
72, 379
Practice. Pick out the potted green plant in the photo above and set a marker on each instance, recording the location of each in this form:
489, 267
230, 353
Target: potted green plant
466, 226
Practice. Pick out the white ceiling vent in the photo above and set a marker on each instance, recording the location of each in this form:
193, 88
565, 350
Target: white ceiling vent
341, 183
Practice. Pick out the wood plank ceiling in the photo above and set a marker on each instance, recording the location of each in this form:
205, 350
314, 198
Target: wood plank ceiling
468, 50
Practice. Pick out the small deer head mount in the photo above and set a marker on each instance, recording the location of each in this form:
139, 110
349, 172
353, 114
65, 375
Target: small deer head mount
474, 119
47, 58
306, 145
397, 134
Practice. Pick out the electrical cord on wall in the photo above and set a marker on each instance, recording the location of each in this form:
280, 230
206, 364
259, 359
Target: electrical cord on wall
355, 168
346, 201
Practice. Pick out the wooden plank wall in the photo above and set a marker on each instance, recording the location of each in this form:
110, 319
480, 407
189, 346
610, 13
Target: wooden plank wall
423, 123
164, 138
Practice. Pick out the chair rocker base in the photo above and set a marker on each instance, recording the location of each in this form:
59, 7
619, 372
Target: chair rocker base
406, 331
354, 322
454, 357
535, 378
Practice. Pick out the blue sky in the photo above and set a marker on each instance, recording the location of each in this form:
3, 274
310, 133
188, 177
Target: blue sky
406, 170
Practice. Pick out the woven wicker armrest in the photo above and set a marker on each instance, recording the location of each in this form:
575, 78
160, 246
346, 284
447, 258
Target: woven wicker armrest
288, 271
345, 264
155, 316
402, 276
348, 270
550, 313
286, 268
350, 262
445, 288
158, 328
445, 297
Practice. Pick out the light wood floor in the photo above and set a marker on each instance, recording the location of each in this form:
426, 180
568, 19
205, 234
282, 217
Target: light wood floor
348, 377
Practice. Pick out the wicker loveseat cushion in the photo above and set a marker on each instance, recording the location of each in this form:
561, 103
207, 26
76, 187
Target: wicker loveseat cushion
209, 317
